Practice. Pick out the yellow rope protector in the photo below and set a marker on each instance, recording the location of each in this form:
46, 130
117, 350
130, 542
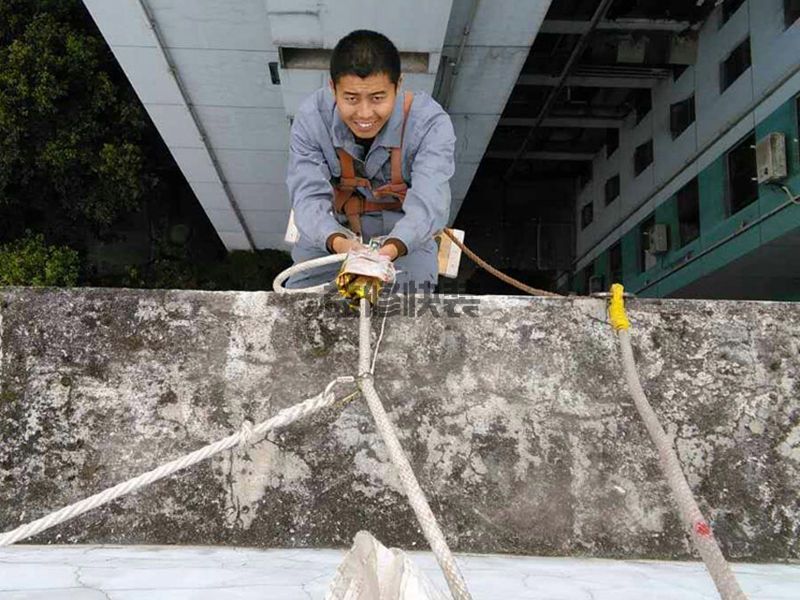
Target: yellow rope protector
362, 275
354, 287
616, 308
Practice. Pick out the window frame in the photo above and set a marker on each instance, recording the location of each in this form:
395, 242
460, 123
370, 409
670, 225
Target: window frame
638, 153
692, 185
746, 143
724, 82
674, 109
616, 178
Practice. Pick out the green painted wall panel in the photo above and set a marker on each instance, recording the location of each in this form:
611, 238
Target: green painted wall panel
715, 222
684, 276
733, 249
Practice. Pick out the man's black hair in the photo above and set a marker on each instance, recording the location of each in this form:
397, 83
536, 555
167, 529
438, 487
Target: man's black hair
364, 53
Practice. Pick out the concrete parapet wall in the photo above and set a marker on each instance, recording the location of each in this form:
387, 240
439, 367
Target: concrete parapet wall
516, 421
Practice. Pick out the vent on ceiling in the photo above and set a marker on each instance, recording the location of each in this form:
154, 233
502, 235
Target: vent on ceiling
319, 59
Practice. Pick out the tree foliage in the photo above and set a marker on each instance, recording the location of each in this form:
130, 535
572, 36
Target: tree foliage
30, 261
71, 130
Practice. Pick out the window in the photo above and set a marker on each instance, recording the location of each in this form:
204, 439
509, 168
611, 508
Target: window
615, 263
791, 11
689, 212
642, 101
612, 141
587, 215
612, 189
643, 157
647, 260
742, 186
737, 63
681, 115
729, 7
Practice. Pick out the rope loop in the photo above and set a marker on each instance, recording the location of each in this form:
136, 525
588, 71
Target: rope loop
245, 434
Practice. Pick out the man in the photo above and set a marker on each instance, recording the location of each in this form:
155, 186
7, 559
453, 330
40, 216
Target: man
367, 160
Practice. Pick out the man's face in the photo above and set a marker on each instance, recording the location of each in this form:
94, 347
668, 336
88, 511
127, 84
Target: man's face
365, 104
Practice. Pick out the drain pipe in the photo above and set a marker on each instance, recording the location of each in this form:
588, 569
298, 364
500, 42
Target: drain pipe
454, 64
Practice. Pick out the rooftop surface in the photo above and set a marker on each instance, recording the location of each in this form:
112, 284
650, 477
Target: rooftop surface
206, 573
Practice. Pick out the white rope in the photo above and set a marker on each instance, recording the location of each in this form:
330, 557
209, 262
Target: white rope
378, 343
277, 283
247, 434
416, 497
699, 529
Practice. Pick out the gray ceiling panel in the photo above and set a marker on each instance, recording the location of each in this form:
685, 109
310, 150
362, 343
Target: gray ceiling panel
267, 221
413, 25
212, 24
223, 220
174, 122
195, 163
122, 23
149, 74
245, 128
486, 78
234, 240
261, 196
210, 195
497, 22
270, 240
472, 135
297, 84
228, 77
253, 166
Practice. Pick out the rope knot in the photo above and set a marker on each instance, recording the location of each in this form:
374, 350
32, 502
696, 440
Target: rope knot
245, 434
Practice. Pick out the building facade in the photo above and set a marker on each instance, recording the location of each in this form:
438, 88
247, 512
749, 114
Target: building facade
673, 207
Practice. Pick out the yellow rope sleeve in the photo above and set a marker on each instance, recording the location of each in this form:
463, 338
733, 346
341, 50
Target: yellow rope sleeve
616, 309
354, 287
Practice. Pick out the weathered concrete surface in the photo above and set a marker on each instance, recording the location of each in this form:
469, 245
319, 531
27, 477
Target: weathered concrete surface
517, 422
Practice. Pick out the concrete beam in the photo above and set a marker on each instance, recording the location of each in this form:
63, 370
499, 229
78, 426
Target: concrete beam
567, 27
515, 419
577, 122
540, 155
590, 81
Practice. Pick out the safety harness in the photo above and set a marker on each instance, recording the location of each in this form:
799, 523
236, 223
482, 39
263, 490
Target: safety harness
348, 201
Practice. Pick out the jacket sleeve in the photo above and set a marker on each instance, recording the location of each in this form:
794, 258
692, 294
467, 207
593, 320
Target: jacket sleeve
427, 203
310, 189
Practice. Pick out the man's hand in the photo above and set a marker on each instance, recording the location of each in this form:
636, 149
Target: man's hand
389, 250
343, 245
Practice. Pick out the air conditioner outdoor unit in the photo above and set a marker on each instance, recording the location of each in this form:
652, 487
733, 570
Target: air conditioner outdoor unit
771, 158
657, 239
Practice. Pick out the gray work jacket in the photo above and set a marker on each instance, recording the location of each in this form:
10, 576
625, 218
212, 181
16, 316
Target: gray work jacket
428, 165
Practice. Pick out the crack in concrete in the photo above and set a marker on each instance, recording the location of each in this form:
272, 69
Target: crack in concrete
78, 575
